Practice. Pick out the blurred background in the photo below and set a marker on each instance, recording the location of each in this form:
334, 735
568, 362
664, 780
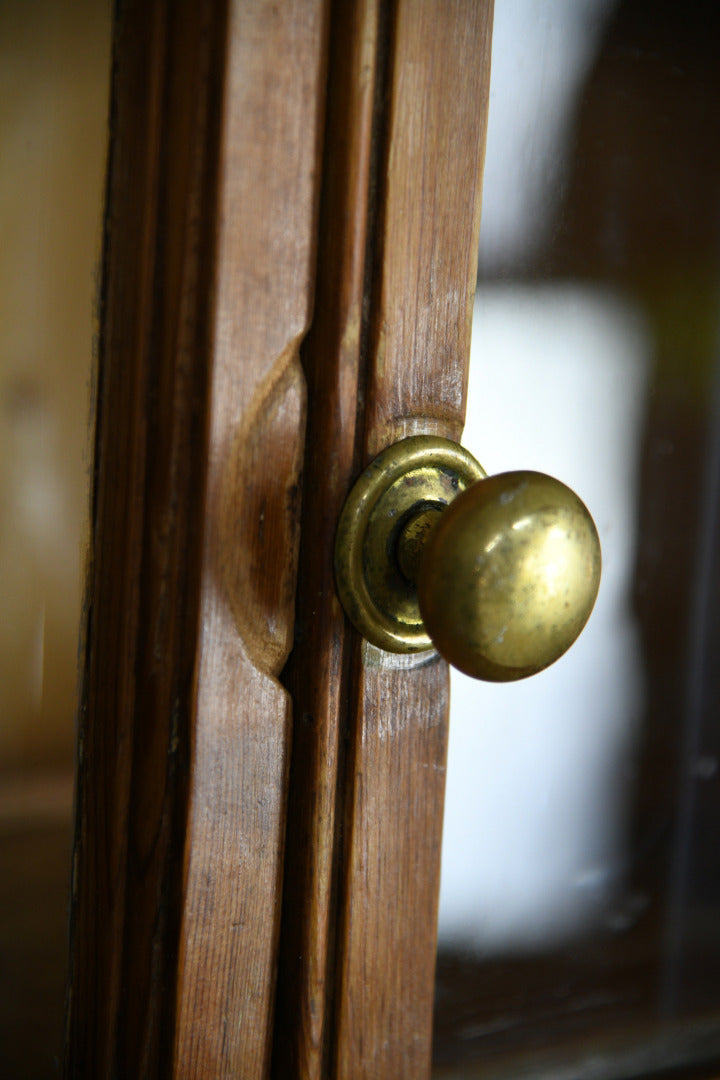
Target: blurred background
54, 84
578, 930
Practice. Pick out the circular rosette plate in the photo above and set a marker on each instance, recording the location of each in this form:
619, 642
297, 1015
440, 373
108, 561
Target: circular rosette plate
414, 475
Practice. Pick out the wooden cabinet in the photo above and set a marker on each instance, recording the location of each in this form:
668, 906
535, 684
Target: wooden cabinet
289, 270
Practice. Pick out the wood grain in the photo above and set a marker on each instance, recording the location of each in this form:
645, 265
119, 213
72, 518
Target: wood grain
427, 242
184, 741
317, 673
422, 288
142, 593
407, 95
268, 181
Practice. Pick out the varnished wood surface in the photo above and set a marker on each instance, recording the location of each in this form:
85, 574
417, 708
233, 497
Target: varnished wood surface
317, 673
133, 738
184, 737
421, 292
389, 912
386, 356
426, 244
264, 272
208, 289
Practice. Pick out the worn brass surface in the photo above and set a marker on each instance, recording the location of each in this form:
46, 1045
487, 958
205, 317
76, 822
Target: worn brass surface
413, 538
499, 574
509, 576
418, 474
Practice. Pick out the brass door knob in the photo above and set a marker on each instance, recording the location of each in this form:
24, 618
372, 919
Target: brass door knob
500, 574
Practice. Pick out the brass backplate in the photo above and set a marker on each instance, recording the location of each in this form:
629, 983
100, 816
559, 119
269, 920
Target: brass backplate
413, 475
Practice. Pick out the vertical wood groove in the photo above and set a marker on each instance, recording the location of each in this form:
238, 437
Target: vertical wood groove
317, 673
127, 848
209, 261
421, 296
242, 721
386, 356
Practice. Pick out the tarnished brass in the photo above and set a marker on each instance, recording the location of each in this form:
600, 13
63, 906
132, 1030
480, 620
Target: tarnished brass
500, 574
509, 576
416, 474
413, 538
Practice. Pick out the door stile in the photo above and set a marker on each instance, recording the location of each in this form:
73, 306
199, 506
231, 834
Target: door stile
148, 487
267, 202
386, 357
185, 730
317, 674
423, 284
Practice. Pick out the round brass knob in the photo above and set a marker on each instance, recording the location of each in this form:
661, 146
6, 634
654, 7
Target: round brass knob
508, 575
500, 574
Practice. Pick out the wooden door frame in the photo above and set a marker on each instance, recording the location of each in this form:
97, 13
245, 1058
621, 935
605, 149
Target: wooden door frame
218, 111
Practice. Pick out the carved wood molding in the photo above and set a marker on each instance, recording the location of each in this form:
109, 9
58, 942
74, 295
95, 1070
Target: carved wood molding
386, 357
184, 734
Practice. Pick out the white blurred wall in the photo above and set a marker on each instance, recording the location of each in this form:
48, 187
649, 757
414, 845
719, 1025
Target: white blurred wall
539, 772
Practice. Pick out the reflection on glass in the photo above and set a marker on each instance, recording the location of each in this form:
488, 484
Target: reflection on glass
54, 74
581, 859
535, 818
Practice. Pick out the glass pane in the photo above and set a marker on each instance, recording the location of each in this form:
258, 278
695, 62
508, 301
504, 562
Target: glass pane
54, 75
581, 861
